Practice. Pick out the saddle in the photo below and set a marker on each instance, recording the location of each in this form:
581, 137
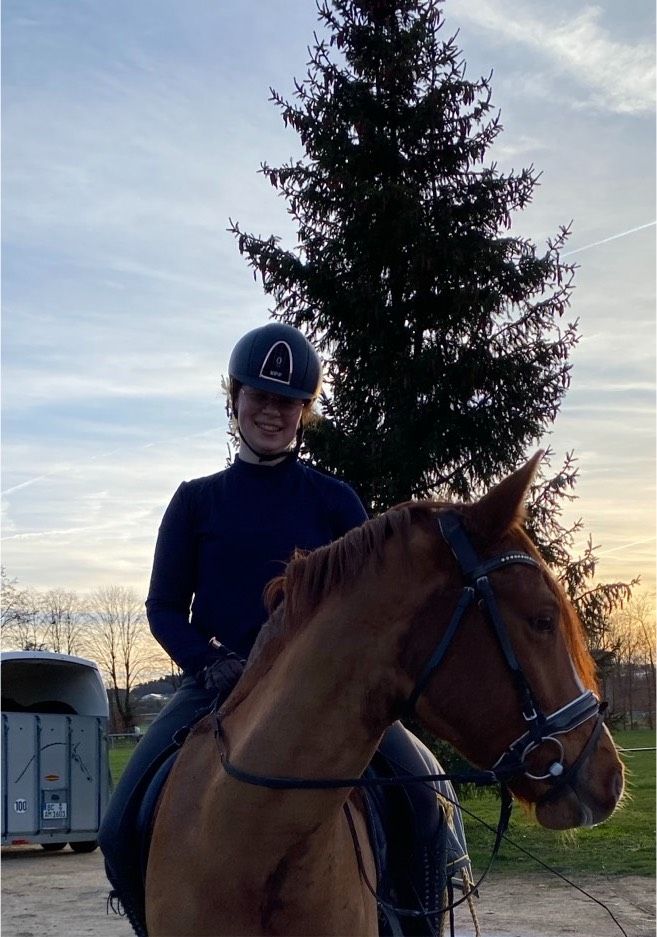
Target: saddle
416, 834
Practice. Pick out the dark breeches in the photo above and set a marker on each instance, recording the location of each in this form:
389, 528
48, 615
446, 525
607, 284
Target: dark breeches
185, 708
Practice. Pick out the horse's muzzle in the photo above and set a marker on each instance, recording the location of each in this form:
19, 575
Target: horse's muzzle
591, 795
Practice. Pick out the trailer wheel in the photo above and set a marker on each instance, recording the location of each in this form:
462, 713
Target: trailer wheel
86, 845
52, 847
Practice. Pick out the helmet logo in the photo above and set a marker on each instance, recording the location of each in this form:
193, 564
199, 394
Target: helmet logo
278, 365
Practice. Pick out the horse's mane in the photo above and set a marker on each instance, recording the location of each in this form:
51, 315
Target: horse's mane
310, 577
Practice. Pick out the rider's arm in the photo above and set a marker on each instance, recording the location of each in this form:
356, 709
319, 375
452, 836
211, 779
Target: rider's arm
172, 586
347, 510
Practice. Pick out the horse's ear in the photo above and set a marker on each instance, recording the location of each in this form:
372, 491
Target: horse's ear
504, 504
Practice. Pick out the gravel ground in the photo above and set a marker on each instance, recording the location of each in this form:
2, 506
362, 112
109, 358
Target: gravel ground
64, 895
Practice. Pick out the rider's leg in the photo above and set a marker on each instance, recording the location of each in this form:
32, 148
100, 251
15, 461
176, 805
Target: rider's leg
117, 835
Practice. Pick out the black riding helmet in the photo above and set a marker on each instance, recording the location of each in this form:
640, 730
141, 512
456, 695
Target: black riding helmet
279, 359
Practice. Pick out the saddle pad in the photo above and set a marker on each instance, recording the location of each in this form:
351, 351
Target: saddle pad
147, 810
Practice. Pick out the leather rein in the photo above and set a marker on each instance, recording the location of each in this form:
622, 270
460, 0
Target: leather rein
541, 728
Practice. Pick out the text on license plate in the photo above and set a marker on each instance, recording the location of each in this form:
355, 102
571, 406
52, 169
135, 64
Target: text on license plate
52, 811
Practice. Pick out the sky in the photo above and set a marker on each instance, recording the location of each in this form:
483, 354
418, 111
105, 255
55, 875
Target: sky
133, 132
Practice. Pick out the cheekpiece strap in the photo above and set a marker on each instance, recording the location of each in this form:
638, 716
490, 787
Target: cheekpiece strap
451, 527
472, 567
476, 573
464, 603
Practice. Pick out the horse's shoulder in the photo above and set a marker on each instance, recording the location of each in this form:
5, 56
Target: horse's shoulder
205, 726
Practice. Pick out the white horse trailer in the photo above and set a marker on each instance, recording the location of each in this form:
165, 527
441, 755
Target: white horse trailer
55, 768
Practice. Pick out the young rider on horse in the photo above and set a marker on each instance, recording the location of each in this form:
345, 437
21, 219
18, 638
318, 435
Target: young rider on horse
225, 536
222, 539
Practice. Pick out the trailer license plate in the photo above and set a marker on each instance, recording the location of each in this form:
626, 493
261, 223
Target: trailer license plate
54, 811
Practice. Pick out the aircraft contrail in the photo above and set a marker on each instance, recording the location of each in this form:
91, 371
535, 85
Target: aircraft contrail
62, 469
612, 238
30, 481
626, 546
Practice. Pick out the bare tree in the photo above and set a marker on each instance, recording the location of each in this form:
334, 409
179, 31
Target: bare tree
22, 625
62, 621
12, 602
118, 640
633, 676
646, 624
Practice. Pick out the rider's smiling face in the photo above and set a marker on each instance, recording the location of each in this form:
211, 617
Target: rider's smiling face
268, 422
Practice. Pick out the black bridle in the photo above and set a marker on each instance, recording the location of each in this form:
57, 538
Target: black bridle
540, 728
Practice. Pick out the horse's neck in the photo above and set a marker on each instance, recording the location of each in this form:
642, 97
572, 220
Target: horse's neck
323, 705
334, 686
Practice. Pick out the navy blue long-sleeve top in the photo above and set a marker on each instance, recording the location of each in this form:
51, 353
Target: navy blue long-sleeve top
221, 540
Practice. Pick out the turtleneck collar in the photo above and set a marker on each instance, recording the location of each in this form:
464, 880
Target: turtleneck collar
247, 455
269, 469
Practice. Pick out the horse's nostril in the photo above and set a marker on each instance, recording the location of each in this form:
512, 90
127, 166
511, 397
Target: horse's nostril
618, 784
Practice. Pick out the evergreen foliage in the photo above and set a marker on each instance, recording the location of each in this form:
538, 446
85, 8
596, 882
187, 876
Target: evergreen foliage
446, 353
443, 332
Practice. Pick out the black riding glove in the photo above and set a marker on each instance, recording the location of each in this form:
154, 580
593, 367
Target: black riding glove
223, 670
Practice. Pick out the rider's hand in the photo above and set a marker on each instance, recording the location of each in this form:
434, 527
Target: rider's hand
222, 672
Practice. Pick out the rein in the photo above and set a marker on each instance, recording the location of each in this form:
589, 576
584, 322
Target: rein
480, 778
282, 783
512, 762
506, 804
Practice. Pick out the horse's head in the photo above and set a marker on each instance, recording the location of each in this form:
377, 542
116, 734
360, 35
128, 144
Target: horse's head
519, 646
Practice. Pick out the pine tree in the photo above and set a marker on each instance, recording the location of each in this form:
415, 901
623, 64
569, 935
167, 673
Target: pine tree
442, 329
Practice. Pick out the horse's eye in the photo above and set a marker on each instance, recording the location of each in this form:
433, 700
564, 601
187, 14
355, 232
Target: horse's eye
544, 625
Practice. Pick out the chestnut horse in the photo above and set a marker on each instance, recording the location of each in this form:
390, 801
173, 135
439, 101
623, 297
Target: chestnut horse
333, 668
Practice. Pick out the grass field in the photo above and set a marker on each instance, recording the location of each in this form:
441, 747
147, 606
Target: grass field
118, 758
625, 844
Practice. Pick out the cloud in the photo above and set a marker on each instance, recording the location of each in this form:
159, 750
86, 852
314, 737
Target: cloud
134, 131
94, 519
507, 150
619, 76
